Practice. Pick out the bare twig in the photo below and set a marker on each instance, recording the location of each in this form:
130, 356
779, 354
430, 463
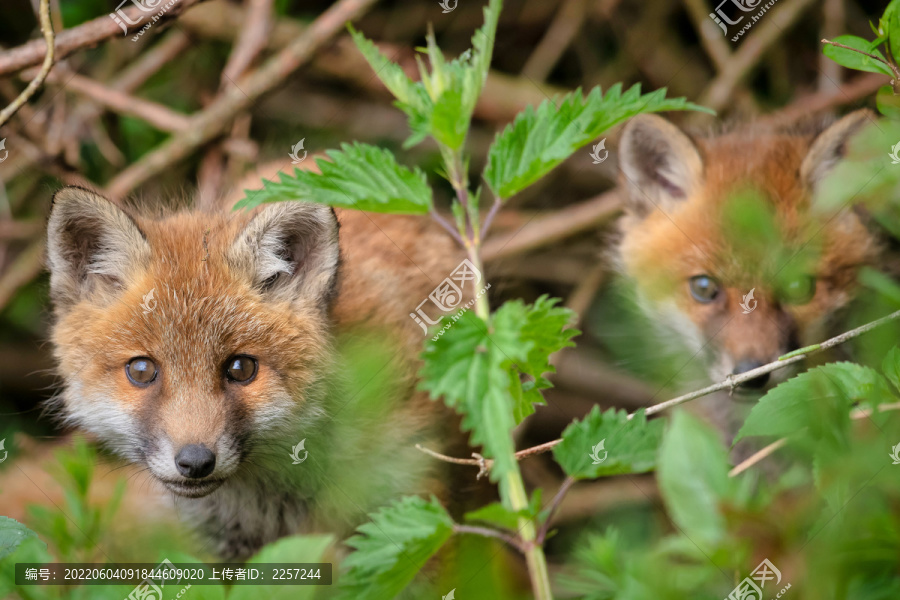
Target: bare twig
712, 41
49, 53
491, 533
542, 532
730, 382
559, 225
772, 27
856, 414
559, 35
251, 40
85, 35
25, 268
158, 115
212, 121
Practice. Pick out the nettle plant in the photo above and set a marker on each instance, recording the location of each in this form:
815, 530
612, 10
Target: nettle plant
489, 367
860, 54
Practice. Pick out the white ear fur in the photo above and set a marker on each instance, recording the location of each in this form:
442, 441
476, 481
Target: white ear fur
830, 146
660, 165
291, 252
92, 245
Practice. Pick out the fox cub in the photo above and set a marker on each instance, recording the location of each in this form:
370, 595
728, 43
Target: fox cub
740, 296
203, 347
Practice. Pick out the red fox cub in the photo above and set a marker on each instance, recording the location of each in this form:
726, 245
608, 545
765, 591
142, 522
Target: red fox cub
739, 296
202, 346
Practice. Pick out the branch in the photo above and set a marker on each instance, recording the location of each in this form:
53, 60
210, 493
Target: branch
85, 35
740, 64
158, 115
729, 383
539, 232
251, 40
49, 52
857, 414
212, 121
491, 533
566, 484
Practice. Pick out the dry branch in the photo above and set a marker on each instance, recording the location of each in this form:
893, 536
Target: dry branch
28, 92
729, 383
541, 231
771, 27
85, 35
212, 121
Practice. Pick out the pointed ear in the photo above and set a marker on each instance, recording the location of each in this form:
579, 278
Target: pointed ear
290, 251
93, 246
660, 165
830, 146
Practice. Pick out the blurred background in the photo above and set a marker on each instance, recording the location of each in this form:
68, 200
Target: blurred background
162, 118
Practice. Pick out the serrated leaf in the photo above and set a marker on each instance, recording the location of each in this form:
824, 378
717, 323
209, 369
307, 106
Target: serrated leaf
693, 478
294, 549
817, 401
891, 366
539, 140
475, 367
12, 534
855, 60
442, 102
358, 176
392, 548
609, 443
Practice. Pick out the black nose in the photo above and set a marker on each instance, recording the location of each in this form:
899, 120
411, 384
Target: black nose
748, 365
195, 461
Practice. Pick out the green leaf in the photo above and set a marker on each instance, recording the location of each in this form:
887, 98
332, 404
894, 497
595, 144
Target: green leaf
539, 140
442, 102
817, 402
393, 547
621, 445
358, 176
855, 60
12, 534
295, 549
497, 514
475, 367
470, 367
888, 102
693, 478
891, 366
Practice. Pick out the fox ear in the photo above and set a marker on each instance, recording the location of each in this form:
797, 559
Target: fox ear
660, 165
92, 246
291, 252
830, 146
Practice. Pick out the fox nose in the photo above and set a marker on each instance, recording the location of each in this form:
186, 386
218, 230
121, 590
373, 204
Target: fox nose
748, 365
195, 461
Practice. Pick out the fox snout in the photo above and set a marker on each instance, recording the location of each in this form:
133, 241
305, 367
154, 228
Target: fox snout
195, 461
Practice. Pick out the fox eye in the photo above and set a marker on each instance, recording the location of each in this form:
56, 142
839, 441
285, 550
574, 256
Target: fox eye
141, 371
799, 290
704, 288
241, 369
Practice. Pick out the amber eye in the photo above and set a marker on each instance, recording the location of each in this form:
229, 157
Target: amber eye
704, 288
141, 371
799, 290
241, 369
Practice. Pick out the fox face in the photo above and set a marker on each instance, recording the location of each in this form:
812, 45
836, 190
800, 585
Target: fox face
188, 342
726, 244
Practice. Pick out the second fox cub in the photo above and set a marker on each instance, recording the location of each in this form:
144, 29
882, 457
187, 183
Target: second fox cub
740, 296
202, 346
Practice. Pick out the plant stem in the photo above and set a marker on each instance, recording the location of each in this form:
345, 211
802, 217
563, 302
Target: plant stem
534, 552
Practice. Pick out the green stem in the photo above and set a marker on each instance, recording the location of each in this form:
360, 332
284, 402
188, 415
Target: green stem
518, 498
534, 552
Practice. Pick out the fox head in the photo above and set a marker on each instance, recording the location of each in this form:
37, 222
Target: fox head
726, 244
186, 342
